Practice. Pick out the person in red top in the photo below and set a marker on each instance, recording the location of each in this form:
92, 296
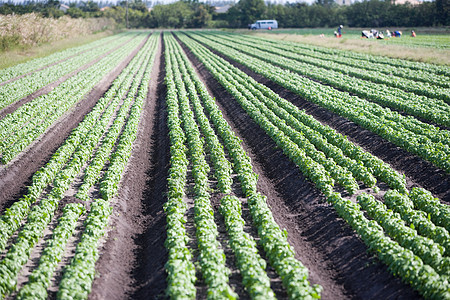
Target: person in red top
413, 34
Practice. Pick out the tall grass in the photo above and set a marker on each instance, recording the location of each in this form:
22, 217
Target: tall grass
24, 31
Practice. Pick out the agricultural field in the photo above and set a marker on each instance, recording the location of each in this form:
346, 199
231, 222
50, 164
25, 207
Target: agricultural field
219, 165
431, 45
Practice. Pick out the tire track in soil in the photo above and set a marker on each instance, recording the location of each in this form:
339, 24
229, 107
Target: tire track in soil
419, 172
17, 174
336, 257
132, 259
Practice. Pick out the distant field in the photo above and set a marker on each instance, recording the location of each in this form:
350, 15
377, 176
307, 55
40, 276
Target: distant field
426, 37
431, 45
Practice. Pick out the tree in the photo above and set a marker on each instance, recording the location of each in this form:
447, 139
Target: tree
246, 12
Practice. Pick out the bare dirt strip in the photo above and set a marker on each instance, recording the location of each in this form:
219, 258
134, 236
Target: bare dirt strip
132, 259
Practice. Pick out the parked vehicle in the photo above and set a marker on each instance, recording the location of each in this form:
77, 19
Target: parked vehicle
264, 24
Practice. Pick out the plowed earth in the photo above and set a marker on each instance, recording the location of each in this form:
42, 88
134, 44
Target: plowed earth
132, 259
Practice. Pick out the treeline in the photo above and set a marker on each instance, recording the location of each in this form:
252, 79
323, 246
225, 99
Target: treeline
194, 14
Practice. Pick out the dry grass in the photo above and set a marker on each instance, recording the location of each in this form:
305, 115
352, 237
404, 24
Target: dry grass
429, 55
24, 37
31, 29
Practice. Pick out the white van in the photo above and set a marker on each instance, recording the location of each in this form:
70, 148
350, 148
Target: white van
264, 24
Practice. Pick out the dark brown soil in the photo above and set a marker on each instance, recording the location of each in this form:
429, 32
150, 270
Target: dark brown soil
132, 261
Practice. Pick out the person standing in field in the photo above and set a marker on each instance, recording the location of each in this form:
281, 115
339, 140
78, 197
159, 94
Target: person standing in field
339, 31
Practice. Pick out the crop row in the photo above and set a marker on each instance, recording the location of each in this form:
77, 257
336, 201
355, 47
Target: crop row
315, 135
439, 233
428, 108
40, 278
396, 182
364, 113
417, 218
249, 262
41, 214
398, 63
273, 240
362, 64
400, 261
430, 252
40, 180
436, 287
41, 62
26, 85
130, 81
211, 256
80, 273
179, 267
53, 105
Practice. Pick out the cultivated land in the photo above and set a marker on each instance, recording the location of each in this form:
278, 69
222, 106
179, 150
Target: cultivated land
209, 164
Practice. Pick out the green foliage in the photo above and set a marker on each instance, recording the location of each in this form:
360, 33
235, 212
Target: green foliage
181, 14
245, 12
193, 14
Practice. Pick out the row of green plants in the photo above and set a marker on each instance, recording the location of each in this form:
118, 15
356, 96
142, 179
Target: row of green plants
248, 259
80, 273
273, 240
39, 280
34, 65
401, 261
351, 107
222, 166
41, 214
430, 252
26, 85
10, 221
374, 65
129, 79
56, 103
211, 256
438, 212
179, 266
418, 219
390, 75
64, 166
236, 81
443, 71
434, 110
252, 267
119, 158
